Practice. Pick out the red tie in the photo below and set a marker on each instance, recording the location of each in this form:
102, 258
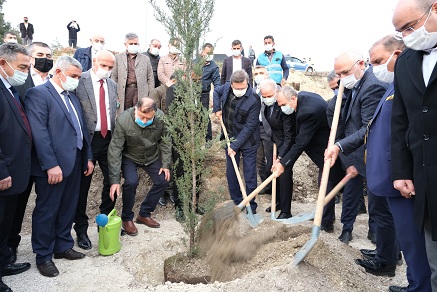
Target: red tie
103, 118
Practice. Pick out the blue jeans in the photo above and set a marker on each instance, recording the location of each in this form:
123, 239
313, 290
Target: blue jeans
130, 174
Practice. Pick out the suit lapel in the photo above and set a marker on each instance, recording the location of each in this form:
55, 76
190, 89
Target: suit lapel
414, 65
88, 82
59, 100
9, 97
357, 92
390, 91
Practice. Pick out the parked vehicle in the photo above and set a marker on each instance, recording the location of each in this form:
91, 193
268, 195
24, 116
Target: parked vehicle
298, 64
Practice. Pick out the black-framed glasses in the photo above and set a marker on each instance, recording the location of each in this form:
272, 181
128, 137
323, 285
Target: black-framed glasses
399, 35
347, 71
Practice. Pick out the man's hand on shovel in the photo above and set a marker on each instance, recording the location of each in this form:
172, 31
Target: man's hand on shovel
277, 168
332, 152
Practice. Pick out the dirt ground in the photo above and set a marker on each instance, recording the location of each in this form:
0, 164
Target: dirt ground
139, 265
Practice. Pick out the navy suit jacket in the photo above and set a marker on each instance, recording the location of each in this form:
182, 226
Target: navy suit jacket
356, 114
378, 156
84, 56
53, 131
15, 145
227, 69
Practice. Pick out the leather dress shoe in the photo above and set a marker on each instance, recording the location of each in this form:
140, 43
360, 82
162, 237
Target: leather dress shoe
14, 269
269, 209
147, 221
162, 201
362, 209
69, 254
14, 255
48, 269
170, 196
129, 228
397, 289
368, 253
284, 215
83, 241
4, 287
371, 237
377, 268
327, 228
345, 236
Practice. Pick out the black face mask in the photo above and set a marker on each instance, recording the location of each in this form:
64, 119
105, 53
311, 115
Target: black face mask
25, 21
43, 64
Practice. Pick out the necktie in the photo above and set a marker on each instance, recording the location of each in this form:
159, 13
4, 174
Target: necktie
74, 119
20, 108
103, 118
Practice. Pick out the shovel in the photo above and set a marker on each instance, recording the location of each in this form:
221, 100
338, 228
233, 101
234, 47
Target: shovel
309, 216
254, 219
308, 246
273, 207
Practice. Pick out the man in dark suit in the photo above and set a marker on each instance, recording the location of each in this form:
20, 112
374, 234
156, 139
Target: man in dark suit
153, 54
26, 29
363, 92
73, 28
312, 134
85, 55
236, 62
63, 153
283, 133
239, 106
15, 150
41, 63
414, 131
383, 56
97, 94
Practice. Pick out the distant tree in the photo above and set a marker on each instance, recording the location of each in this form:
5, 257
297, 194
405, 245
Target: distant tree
6, 25
187, 120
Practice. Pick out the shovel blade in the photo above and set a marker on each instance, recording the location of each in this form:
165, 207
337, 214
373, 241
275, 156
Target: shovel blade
307, 247
298, 219
254, 219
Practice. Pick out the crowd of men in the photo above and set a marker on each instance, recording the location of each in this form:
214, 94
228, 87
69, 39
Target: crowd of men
59, 119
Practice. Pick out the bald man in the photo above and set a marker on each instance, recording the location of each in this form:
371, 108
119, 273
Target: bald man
85, 56
97, 94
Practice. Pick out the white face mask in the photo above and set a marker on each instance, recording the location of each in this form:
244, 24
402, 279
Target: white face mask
381, 72
268, 47
269, 101
259, 78
17, 79
350, 80
97, 46
420, 39
209, 58
239, 92
236, 53
286, 109
11, 41
154, 51
133, 49
102, 73
70, 83
173, 50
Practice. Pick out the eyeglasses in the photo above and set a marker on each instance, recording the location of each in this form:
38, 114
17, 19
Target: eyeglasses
399, 35
346, 72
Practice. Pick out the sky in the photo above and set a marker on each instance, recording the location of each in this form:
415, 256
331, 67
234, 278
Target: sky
316, 29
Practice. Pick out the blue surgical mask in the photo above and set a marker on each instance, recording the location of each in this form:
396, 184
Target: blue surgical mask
143, 124
286, 109
70, 83
17, 79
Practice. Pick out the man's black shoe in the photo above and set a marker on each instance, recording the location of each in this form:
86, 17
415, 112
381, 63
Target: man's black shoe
83, 241
48, 269
162, 201
253, 211
327, 228
397, 289
269, 209
69, 254
4, 287
14, 255
371, 237
345, 236
377, 268
171, 197
14, 269
284, 215
362, 209
337, 198
368, 253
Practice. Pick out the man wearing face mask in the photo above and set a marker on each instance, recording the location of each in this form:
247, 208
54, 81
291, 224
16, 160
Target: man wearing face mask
15, 149
10, 37
236, 62
312, 134
41, 63
63, 153
239, 106
85, 56
133, 74
27, 31
73, 28
283, 134
383, 56
170, 62
413, 142
153, 54
274, 62
139, 140
363, 92
97, 94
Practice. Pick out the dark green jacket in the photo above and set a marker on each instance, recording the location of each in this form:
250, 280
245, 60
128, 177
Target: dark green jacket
141, 145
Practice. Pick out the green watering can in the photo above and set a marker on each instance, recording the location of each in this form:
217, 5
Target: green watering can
109, 233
